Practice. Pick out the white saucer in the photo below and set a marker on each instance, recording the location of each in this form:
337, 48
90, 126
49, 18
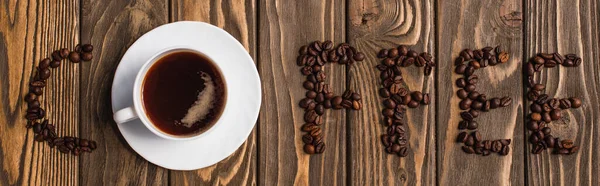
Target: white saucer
238, 118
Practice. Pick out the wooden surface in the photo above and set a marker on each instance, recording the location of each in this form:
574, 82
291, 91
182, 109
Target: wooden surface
78, 95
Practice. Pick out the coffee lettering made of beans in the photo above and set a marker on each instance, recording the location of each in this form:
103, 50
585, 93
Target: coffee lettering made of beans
473, 103
397, 97
544, 109
319, 96
43, 129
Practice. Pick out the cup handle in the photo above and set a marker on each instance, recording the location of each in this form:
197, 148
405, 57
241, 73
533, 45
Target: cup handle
125, 115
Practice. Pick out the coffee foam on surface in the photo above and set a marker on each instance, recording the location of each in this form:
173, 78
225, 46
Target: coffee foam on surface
203, 104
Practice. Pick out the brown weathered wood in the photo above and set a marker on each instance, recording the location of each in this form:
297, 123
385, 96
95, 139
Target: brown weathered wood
29, 32
284, 27
112, 26
477, 24
238, 18
375, 25
568, 27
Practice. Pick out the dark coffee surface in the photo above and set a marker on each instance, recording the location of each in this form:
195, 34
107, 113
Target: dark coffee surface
172, 87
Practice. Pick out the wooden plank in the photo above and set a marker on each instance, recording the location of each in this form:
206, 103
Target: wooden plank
238, 18
112, 26
477, 24
284, 27
29, 32
375, 25
568, 27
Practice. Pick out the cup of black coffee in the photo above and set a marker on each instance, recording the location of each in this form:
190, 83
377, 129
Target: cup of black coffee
179, 94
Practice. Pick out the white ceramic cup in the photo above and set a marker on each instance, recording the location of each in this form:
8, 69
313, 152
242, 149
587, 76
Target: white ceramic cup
137, 111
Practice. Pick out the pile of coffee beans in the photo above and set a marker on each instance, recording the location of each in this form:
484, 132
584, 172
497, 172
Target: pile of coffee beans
543, 108
396, 97
473, 103
45, 131
319, 95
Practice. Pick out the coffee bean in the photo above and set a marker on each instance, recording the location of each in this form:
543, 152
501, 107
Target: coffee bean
356, 96
555, 114
459, 61
408, 61
473, 95
403, 152
74, 57
34, 104
470, 88
320, 148
44, 74
413, 104
44, 63
383, 92
534, 107
546, 117
426, 99
505, 101
303, 50
505, 142
356, 105
382, 53
536, 116
461, 83
532, 95
468, 150
30, 97
477, 105
310, 116
470, 141
392, 53
311, 94
473, 79
405, 99
309, 127
417, 96
462, 125
462, 94
486, 106
474, 113
476, 136
496, 146
308, 85
315, 132
550, 63
565, 103
538, 60
567, 144
320, 98
466, 116
460, 69
542, 99
472, 125
465, 104
466, 54
309, 149
307, 139
87, 48
346, 103
388, 103
469, 71
532, 125
575, 102
529, 69
554, 103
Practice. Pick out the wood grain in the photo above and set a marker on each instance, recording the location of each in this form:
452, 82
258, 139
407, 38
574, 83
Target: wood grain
29, 32
112, 26
477, 24
238, 18
568, 27
375, 25
284, 27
